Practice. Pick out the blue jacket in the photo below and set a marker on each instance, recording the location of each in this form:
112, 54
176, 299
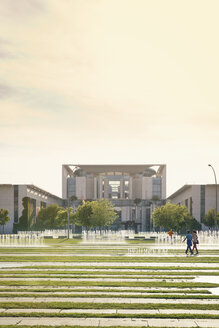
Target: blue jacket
189, 239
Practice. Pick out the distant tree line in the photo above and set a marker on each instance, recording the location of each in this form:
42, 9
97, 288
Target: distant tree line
91, 215
210, 220
175, 217
4, 217
100, 214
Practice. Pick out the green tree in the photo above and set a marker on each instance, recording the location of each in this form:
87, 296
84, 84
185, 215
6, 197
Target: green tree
83, 216
62, 216
210, 218
155, 200
95, 214
4, 217
47, 217
137, 201
26, 220
73, 198
191, 224
171, 216
103, 214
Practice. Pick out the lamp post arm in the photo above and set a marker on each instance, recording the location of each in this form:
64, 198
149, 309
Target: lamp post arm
214, 175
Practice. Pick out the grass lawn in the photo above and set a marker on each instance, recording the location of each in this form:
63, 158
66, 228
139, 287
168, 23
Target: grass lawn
95, 274
100, 259
102, 295
109, 284
90, 305
64, 257
72, 290
103, 315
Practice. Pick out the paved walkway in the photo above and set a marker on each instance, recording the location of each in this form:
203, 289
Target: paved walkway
110, 322
101, 279
111, 311
111, 300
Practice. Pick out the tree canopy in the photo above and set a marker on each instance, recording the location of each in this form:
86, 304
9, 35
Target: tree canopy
26, 220
47, 217
73, 198
137, 201
4, 217
95, 214
62, 216
176, 217
191, 224
210, 218
103, 213
83, 216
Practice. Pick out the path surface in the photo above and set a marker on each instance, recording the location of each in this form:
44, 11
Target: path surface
104, 322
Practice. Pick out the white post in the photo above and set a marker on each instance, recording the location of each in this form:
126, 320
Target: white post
68, 218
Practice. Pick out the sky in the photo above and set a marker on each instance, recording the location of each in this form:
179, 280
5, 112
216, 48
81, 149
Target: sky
108, 82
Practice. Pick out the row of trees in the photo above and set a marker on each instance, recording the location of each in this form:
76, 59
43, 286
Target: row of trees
177, 217
91, 215
99, 214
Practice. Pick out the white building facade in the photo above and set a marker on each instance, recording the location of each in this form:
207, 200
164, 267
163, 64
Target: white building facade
120, 184
11, 198
199, 199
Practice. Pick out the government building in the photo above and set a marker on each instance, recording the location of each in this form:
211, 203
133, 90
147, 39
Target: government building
12, 198
199, 199
134, 190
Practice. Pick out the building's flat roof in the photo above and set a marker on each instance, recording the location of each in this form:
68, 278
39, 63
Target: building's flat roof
179, 191
43, 191
34, 188
100, 168
183, 188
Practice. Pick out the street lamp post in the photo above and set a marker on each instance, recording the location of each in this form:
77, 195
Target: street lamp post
72, 199
216, 193
68, 218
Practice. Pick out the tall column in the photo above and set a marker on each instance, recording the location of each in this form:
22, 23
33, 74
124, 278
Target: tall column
122, 189
130, 188
106, 188
64, 182
95, 188
100, 188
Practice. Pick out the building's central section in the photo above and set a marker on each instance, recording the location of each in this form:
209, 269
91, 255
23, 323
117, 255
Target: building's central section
122, 185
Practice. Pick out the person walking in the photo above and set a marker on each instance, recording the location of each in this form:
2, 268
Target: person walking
188, 239
170, 234
195, 241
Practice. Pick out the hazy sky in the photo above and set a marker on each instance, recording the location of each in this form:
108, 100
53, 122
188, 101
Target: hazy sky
108, 81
